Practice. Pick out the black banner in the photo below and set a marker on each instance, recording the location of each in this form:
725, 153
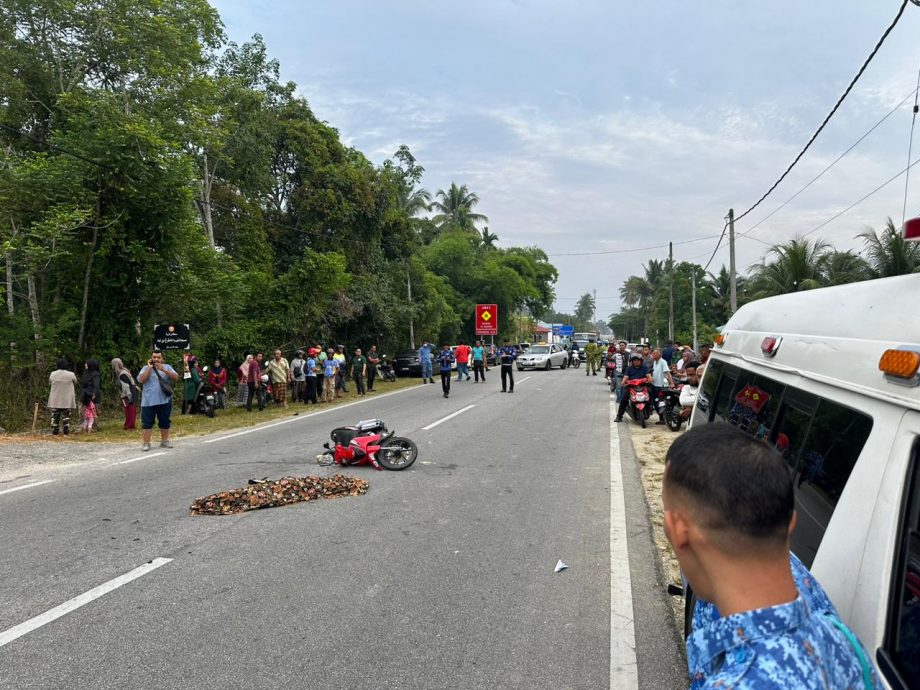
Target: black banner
172, 336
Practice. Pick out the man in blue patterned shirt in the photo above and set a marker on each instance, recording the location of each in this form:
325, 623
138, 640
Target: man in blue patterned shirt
729, 511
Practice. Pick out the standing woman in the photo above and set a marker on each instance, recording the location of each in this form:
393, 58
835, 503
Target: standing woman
242, 381
91, 383
191, 378
128, 392
217, 381
61, 399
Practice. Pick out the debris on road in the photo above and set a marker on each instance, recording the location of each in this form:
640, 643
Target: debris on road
560, 566
285, 491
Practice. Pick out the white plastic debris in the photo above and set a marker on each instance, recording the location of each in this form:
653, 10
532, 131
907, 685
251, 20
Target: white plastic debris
560, 566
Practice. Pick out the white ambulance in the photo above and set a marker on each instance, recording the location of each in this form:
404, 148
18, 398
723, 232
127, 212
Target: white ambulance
831, 378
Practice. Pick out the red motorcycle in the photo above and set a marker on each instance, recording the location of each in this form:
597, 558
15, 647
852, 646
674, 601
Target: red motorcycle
369, 443
639, 407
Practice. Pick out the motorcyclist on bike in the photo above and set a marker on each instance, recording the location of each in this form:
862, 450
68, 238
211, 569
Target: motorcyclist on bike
689, 391
635, 370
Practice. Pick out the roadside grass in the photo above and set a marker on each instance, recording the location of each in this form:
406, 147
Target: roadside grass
230, 419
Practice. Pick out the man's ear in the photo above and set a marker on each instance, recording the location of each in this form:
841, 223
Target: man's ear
677, 529
792, 523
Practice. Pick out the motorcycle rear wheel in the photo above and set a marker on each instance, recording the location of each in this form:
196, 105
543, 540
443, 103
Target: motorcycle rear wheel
641, 418
398, 453
674, 421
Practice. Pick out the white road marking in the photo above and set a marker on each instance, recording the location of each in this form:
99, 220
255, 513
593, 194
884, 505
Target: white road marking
450, 416
18, 631
308, 416
25, 486
140, 457
526, 378
623, 667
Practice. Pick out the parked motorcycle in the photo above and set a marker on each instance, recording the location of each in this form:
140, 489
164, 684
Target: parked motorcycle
668, 406
369, 443
205, 401
639, 403
385, 369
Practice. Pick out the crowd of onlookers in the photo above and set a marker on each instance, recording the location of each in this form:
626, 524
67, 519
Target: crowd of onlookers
314, 375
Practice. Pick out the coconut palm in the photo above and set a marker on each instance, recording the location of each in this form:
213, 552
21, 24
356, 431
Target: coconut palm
455, 208
413, 201
487, 239
888, 253
799, 264
637, 292
846, 267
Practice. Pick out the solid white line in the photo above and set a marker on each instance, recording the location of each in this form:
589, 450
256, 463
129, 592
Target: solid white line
141, 457
25, 486
450, 416
310, 415
526, 378
623, 667
18, 631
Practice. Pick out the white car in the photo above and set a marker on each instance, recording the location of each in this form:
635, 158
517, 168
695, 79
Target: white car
543, 357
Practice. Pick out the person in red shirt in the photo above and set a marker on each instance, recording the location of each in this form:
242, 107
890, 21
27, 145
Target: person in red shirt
463, 361
217, 382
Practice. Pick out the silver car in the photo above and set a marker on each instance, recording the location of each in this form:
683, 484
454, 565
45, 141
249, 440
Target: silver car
543, 357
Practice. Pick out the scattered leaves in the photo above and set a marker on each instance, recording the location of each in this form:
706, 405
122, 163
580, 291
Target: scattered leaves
284, 491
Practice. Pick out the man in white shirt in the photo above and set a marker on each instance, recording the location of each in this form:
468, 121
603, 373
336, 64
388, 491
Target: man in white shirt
689, 391
661, 379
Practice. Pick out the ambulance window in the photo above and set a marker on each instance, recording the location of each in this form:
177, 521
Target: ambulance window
772, 394
710, 382
724, 394
900, 657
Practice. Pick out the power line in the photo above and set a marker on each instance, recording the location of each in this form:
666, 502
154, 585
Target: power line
747, 233
857, 203
718, 244
840, 100
910, 144
637, 249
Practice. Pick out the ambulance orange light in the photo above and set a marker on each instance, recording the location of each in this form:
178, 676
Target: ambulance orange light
719, 339
900, 363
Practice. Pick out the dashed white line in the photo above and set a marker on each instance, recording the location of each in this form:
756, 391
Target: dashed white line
623, 666
25, 486
308, 416
141, 457
450, 416
28, 626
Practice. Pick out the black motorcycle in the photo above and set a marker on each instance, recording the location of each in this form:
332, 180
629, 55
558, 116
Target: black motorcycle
385, 369
668, 407
205, 401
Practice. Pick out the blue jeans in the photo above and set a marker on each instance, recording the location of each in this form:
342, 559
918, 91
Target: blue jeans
426, 370
463, 369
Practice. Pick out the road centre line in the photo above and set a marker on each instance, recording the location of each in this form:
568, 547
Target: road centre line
450, 416
308, 416
25, 486
623, 665
526, 378
140, 457
38, 621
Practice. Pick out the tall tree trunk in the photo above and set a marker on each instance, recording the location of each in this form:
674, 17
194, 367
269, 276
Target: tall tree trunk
204, 209
10, 307
86, 278
36, 320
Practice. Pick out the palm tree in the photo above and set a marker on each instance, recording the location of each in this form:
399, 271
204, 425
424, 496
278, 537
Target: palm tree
889, 254
637, 292
846, 267
487, 239
799, 264
413, 201
455, 208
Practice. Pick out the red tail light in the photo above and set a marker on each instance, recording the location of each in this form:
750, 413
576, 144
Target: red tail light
912, 229
770, 345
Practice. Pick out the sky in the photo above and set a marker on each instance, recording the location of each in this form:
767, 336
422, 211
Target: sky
599, 126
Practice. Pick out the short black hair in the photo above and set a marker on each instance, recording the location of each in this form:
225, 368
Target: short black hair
692, 365
739, 484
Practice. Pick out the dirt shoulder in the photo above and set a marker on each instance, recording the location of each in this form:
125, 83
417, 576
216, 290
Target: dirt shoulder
650, 446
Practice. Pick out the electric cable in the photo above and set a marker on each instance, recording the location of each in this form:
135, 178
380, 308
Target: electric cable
636, 249
914, 93
910, 143
840, 100
718, 244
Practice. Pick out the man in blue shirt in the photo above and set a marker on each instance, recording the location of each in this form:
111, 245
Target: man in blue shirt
445, 362
156, 404
635, 370
506, 356
424, 358
728, 513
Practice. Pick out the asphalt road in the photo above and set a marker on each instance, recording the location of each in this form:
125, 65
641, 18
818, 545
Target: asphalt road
441, 576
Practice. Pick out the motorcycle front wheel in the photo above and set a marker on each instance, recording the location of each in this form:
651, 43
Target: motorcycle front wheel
673, 420
398, 453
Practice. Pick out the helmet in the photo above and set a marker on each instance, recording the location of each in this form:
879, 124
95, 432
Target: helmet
635, 355
264, 378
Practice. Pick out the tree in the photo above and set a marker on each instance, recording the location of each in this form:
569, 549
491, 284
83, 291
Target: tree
846, 267
455, 209
799, 264
889, 254
487, 239
584, 312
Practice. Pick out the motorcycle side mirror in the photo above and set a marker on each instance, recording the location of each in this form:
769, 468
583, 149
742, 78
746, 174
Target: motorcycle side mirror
205, 367
326, 445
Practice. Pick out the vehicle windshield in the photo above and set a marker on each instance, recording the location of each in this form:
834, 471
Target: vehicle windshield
405, 354
581, 344
538, 350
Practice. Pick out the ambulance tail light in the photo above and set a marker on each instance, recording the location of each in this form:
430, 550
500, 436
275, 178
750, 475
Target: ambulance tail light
769, 345
900, 366
912, 230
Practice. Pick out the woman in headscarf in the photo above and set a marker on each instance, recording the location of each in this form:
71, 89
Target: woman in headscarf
191, 378
91, 387
242, 380
128, 392
217, 382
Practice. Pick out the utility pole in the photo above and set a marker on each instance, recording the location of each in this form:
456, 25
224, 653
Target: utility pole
731, 259
693, 297
411, 315
594, 319
671, 292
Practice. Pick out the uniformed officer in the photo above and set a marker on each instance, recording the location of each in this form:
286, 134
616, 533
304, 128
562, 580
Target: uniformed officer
591, 356
506, 355
728, 512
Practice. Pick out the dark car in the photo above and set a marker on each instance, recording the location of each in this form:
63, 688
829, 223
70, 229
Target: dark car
407, 363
